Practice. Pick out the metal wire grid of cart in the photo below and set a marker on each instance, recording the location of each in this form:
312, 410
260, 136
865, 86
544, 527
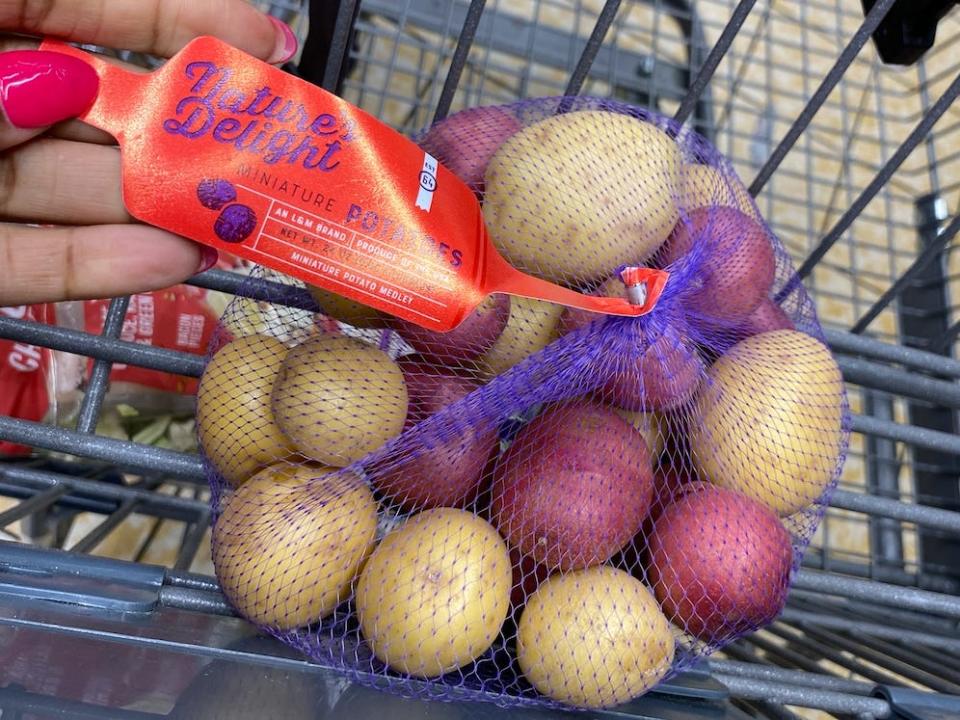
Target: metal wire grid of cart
855, 164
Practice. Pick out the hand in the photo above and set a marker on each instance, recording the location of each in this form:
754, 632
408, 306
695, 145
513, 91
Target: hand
68, 174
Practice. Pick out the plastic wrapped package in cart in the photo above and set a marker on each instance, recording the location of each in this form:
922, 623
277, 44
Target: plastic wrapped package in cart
543, 505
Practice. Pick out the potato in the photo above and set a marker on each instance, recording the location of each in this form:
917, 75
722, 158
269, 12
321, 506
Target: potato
734, 262
574, 196
719, 563
766, 317
235, 422
656, 371
346, 310
705, 186
290, 542
465, 141
594, 638
767, 421
474, 336
434, 594
449, 468
573, 488
532, 326
653, 426
339, 399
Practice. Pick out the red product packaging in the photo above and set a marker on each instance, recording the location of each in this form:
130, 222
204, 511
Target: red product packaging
177, 319
23, 374
229, 151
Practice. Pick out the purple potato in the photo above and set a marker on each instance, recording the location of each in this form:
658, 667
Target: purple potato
235, 223
214, 194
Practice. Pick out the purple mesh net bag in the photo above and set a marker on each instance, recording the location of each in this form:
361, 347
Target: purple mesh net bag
543, 506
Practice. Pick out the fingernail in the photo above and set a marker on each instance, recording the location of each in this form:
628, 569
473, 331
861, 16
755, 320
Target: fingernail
40, 88
208, 258
287, 43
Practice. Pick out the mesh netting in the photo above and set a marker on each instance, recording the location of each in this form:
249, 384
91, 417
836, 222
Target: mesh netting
544, 505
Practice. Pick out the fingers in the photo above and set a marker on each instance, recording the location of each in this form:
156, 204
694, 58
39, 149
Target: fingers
38, 89
67, 129
158, 27
80, 132
62, 182
53, 264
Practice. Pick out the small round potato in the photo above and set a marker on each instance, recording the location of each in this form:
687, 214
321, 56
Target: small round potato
290, 542
434, 594
594, 638
574, 196
532, 326
767, 421
235, 422
339, 399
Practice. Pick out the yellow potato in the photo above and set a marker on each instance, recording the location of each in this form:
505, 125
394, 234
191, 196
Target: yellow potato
704, 186
573, 196
339, 399
434, 594
290, 542
768, 420
235, 422
652, 425
531, 327
594, 638
346, 310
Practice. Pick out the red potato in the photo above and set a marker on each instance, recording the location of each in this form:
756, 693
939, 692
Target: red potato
466, 141
654, 374
735, 261
470, 339
719, 563
766, 317
574, 488
431, 389
446, 475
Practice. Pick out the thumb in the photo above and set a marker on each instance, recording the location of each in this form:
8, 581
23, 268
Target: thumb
40, 88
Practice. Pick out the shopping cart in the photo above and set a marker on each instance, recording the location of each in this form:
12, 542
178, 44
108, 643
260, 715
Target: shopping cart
856, 165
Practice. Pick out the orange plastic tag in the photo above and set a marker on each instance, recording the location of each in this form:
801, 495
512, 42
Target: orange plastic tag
229, 151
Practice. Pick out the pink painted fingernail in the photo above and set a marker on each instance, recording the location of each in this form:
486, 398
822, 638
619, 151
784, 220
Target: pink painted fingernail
40, 88
287, 43
208, 258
